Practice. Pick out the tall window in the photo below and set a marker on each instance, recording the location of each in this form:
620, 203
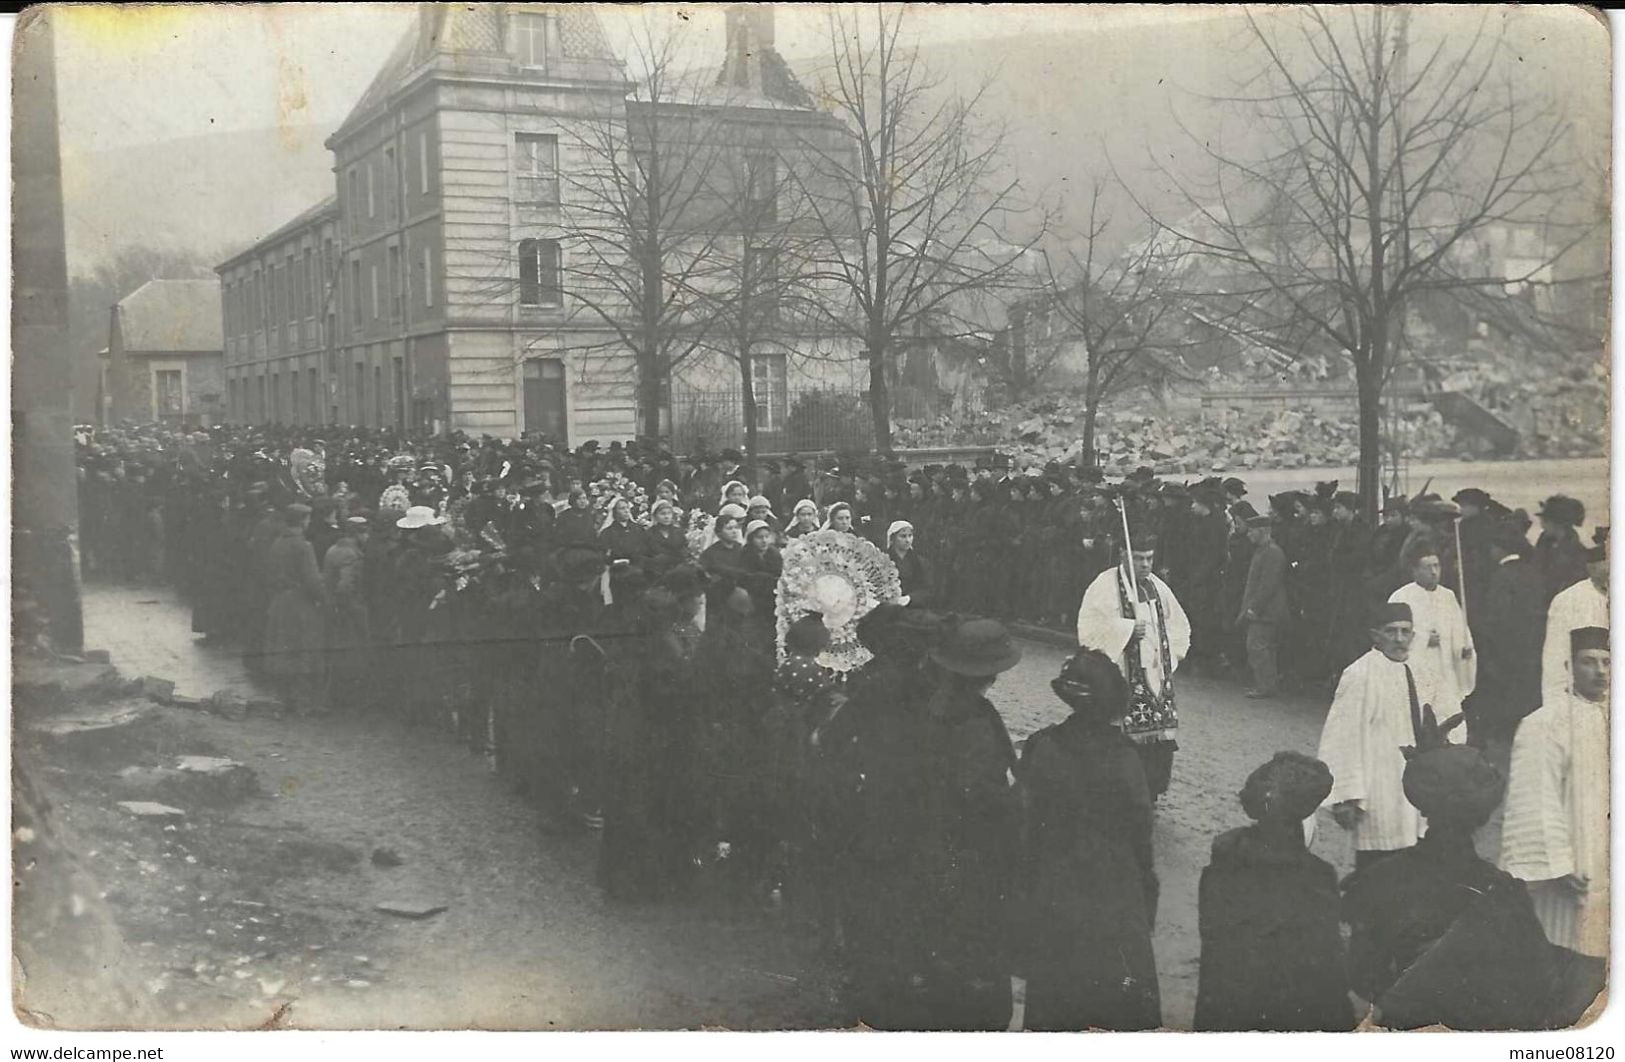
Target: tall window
358, 402
372, 273
355, 292
538, 167
354, 210
428, 276
762, 281
540, 282
767, 378
389, 180
372, 193
762, 192
530, 39
313, 285
423, 160
395, 299
295, 410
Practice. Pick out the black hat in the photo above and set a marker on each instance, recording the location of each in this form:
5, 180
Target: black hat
731, 454
1291, 783
1442, 780
1598, 553
1234, 486
807, 636
1347, 499
578, 563
979, 647
1090, 682
1583, 638
1472, 496
1260, 521
892, 631
1383, 613
1562, 509
1243, 510
686, 580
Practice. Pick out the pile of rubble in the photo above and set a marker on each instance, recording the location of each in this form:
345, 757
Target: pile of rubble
1559, 418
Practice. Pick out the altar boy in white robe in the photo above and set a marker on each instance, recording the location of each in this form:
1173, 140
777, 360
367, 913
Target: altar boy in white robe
1376, 712
1147, 634
1441, 657
1585, 604
1555, 832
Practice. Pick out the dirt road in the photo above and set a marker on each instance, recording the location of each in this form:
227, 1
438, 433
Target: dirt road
262, 907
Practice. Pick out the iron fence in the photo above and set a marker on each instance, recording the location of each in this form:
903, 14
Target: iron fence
791, 420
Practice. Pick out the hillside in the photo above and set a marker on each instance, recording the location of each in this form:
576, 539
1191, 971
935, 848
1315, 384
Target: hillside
193, 195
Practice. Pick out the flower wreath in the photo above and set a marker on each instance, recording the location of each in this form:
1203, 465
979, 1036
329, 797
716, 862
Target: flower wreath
841, 576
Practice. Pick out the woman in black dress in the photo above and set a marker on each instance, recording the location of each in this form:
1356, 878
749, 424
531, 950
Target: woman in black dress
1087, 899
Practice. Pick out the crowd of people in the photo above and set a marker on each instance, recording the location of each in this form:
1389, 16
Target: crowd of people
603, 622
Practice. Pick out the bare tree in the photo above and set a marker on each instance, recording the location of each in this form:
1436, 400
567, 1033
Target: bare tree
638, 239
768, 298
914, 209
1377, 167
1123, 310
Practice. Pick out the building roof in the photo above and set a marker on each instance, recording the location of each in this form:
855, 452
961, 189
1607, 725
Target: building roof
328, 207
471, 30
171, 316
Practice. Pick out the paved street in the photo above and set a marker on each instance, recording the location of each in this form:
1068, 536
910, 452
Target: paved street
516, 897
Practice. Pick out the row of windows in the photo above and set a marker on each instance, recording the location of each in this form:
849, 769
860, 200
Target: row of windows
279, 294
365, 188
296, 397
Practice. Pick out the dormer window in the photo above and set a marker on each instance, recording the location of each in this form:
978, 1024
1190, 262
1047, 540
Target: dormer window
530, 36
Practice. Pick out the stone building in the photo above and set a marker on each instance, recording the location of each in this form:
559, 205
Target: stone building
465, 274
164, 355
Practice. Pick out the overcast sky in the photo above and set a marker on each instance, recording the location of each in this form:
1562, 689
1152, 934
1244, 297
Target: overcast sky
1077, 84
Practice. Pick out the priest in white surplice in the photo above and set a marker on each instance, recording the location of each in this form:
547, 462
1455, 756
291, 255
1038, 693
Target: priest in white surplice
1148, 635
1585, 604
1555, 831
1442, 656
1375, 713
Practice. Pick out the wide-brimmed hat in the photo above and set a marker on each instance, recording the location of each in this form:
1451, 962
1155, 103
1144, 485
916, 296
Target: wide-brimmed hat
419, 516
1471, 496
576, 563
686, 580
1563, 509
977, 647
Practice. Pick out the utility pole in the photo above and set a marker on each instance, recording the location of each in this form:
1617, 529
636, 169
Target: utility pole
45, 521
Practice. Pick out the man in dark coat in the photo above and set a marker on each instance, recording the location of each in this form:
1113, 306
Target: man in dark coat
1559, 555
1476, 528
1509, 637
1272, 953
1204, 557
940, 842
1349, 552
1264, 608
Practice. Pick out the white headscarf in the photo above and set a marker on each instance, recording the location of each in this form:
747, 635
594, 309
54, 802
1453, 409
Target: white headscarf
829, 517
609, 514
722, 500
896, 526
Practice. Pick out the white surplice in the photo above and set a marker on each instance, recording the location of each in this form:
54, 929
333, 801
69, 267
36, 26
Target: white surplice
1369, 722
1443, 677
1102, 625
1581, 605
1556, 819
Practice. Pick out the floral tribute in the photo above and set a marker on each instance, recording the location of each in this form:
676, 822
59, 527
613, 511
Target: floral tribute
843, 577
604, 490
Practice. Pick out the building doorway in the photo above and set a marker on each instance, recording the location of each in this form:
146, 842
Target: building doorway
545, 410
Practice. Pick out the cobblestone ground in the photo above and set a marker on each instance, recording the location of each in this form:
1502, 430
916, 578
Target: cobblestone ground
527, 938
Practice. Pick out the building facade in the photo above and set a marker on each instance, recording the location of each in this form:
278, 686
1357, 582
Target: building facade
464, 276
164, 356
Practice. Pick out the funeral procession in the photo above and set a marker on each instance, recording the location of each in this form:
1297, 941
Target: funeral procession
811, 517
